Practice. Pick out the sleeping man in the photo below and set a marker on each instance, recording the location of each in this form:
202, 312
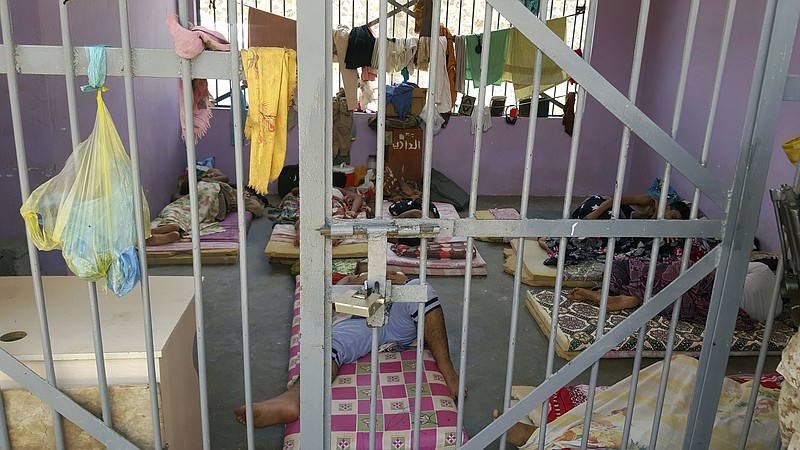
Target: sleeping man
351, 339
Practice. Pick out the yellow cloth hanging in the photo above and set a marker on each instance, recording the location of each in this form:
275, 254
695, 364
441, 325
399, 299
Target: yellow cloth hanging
271, 75
521, 57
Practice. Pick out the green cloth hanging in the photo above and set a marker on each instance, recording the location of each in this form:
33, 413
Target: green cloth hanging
497, 57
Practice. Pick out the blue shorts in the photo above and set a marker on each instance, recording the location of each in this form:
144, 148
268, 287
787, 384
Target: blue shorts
351, 339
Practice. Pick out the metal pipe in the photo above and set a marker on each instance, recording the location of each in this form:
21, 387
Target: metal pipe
566, 211
523, 212
236, 108
74, 128
638, 52
133, 140
5, 443
433, 75
25, 191
373, 389
473, 197
662, 204
762, 354
197, 267
100, 363
327, 69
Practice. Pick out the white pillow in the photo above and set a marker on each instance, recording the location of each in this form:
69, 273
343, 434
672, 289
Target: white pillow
757, 293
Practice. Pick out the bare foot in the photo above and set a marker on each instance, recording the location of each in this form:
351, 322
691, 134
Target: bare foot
165, 238
451, 380
584, 294
164, 229
519, 433
282, 409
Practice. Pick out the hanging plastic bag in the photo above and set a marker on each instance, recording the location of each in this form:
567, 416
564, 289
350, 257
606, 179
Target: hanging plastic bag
87, 210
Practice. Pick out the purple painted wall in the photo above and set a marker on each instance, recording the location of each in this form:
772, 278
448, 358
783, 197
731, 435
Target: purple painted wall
663, 51
44, 104
503, 151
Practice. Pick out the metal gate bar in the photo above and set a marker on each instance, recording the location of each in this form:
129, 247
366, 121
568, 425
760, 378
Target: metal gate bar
24, 187
138, 202
523, 213
97, 336
751, 173
775, 297
473, 198
191, 158
569, 190
314, 93
236, 106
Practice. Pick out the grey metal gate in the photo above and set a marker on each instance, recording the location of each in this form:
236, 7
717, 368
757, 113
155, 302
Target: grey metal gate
736, 230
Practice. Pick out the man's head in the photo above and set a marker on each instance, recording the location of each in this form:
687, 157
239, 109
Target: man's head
677, 211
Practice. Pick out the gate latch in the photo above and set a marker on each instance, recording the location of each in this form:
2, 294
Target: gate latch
368, 302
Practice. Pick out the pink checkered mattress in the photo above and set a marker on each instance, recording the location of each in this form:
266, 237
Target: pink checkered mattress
228, 239
350, 401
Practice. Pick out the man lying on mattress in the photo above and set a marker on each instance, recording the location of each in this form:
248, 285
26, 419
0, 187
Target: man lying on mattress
598, 207
629, 279
351, 339
215, 199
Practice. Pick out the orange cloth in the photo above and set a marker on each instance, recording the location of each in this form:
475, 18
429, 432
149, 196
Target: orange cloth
451, 60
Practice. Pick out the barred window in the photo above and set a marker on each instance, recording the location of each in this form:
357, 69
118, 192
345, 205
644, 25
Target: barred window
461, 17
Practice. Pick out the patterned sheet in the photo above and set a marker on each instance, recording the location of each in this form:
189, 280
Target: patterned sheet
227, 239
350, 401
577, 325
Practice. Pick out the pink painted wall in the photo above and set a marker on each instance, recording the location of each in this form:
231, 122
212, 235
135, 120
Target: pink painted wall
44, 104
663, 51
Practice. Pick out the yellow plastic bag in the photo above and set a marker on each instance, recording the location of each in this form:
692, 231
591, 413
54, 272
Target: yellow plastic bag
87, 210
792, 149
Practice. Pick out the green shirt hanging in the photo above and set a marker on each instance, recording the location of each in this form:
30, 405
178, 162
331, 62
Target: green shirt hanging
497, 57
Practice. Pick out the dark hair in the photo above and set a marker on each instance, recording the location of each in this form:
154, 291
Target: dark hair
184, 188
339, 179
361, 267
682, 208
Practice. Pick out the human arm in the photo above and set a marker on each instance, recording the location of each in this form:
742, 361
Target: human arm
356, 202
216, 175
633, 200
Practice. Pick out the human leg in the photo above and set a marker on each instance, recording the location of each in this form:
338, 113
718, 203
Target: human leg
282, 409
436, 340
615, 302
164, 234
519, 433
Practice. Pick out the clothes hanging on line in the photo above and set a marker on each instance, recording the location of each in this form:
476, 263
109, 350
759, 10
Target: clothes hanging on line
360, 44
521, 59
341, 38
497, 57
400, 53
271, 75
460, 44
